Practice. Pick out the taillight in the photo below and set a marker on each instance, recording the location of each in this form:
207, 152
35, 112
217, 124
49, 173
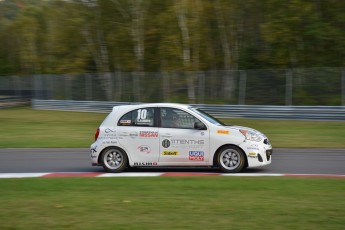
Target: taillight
96, 134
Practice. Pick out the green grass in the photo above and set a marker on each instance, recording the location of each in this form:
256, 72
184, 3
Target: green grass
166, 202
172, 203
26, 128
299, 134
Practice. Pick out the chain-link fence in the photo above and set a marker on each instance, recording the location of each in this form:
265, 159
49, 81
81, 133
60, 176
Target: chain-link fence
312, 86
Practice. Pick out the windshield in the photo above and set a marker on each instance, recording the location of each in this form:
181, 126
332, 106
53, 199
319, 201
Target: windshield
207, 116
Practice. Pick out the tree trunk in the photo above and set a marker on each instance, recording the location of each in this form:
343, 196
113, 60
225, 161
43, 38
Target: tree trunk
228, 79
181, 15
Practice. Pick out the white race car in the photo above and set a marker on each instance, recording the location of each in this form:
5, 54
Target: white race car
166, 134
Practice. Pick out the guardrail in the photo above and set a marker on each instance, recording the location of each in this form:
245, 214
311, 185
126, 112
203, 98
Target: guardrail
11, 101
329, 113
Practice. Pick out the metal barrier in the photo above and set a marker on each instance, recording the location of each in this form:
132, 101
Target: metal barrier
282, 87
12, 101
78, 106
327, 113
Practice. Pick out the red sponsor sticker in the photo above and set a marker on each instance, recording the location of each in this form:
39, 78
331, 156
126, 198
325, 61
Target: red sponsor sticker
196, 156
148, 134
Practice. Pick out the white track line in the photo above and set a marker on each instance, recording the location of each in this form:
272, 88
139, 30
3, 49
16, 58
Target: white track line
130, 174
154, 174
22, 175
253, 174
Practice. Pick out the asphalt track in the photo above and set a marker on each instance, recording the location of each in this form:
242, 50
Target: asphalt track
284, 161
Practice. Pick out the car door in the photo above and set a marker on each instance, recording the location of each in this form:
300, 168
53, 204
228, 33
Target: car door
181, 143
138, 135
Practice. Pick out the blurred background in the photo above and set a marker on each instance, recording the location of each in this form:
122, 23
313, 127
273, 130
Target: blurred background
253, 52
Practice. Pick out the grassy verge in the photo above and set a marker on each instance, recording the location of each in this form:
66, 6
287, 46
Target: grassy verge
298, 134
172, 203
25, 128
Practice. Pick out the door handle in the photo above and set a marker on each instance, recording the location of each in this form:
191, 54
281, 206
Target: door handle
167, 135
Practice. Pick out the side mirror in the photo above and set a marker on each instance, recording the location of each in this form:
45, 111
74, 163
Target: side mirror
199, 126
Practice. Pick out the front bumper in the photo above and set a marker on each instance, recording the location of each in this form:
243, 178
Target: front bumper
258, 153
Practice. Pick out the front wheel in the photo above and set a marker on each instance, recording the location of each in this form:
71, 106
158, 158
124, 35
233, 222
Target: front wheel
114, 160
230, 159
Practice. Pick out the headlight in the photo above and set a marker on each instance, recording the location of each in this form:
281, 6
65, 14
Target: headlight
251, 135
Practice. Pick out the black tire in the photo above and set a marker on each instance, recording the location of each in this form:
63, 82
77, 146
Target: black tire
231, 159
114, 160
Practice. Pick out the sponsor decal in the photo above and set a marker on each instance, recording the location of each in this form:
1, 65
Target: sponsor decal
145, 163
252, 155
196, 156
109, 134
202, 133
170, 153
252, 148
143, 122
133, 135
187, 142
183, 143
144, 149
223, 131
148, 134
125, 122
166, 143
93, 150
109, 142
109, 130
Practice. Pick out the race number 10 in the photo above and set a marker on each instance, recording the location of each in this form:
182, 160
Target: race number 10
142, 113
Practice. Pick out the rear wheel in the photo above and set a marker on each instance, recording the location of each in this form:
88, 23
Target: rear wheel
230, 159
114, 160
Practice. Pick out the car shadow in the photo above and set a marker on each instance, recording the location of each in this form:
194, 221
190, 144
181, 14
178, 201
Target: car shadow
189, 169
99, 169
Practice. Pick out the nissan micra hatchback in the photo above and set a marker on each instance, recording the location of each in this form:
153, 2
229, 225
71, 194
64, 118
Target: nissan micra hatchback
166, 134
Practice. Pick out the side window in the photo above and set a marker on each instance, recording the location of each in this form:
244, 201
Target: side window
139, 117
143, 117
125, 120
175, 118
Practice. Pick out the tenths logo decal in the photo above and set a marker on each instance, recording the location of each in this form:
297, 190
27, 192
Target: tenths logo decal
144, 149
196, 156
170, 153
166, 143
187, 143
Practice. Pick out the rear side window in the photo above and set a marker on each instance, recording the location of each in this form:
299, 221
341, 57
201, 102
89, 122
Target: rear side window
176, 118
139, 117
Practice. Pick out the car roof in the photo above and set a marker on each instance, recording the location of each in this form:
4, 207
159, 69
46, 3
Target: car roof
134, 106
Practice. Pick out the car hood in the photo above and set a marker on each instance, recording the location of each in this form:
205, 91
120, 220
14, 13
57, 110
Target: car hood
236, 127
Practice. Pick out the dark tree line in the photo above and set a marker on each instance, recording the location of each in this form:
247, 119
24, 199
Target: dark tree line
153, 35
